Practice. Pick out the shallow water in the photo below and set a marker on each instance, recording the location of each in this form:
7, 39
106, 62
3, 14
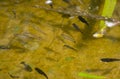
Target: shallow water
45, 40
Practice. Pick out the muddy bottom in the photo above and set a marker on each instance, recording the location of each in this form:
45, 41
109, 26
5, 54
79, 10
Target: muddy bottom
48, 41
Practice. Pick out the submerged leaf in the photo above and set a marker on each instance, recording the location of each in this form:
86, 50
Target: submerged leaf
90, 76
69, 58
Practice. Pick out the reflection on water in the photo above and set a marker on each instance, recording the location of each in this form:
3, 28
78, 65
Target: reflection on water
55, 39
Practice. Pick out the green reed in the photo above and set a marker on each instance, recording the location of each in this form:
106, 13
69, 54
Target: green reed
108, 10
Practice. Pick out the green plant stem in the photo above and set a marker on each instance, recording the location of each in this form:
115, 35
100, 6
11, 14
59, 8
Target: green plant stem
108, 10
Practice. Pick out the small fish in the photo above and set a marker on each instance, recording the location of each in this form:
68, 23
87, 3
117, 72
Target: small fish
12, 76
68, 37
107, 71
109, 59
26, 66
41, 72
49, 49
94, 70
76, 27
65, 15
70, 47
67, 1
14, 13
83, 20
4, 47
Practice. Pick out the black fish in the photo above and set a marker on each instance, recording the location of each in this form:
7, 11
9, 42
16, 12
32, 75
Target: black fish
26, 66
83, 20
12, 76
76, 27
109, 59
41, 72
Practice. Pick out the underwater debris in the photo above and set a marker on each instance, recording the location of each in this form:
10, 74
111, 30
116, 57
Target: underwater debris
49, 2
68, 12
112, 23
109, 59
13, 76
98, 35
70, 47
77, 27
26, 67
71, 13
79, 13
83, 20
41, 72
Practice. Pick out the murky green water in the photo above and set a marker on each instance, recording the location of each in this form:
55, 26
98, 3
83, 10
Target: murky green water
45, 40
